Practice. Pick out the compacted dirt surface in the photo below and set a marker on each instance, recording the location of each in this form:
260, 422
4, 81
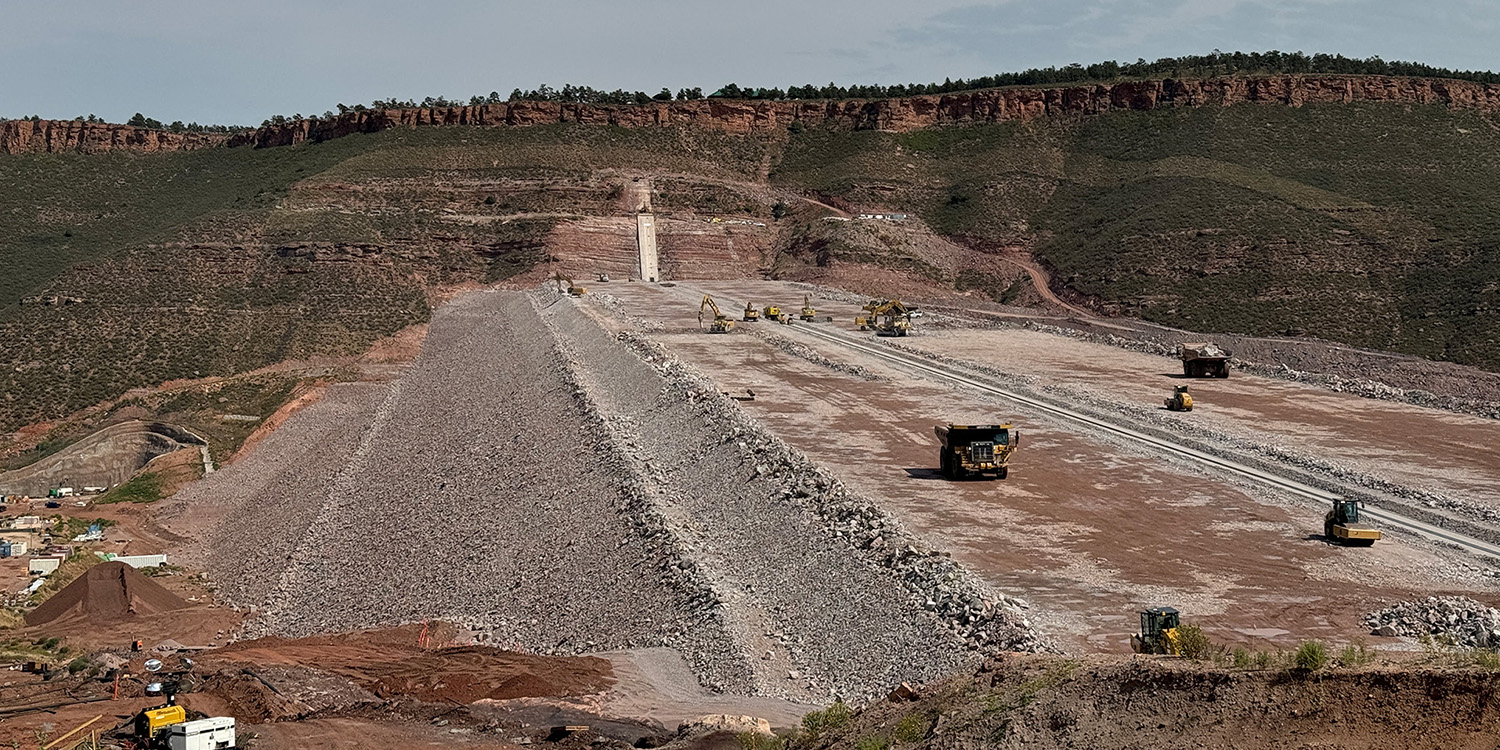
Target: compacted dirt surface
1086, 529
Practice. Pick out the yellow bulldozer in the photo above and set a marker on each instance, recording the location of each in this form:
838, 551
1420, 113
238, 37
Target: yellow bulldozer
1341, 525
565, 284
976, 449
886, 317
721, 323
808, 313
1180, 400
751, 314
1158, 632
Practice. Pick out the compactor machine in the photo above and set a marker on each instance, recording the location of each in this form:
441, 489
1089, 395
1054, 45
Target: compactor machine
1158, 632
565, 284
721, 322
1200, 360
808, 313
1341, 525
1180, 400
969, 449
751, 314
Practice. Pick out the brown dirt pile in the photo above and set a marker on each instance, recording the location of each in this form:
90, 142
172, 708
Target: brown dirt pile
106, 593
1114, 702
391, 664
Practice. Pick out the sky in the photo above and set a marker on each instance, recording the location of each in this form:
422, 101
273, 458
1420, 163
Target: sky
239, 63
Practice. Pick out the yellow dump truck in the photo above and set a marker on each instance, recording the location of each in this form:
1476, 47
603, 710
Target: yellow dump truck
1203, 360
970, 449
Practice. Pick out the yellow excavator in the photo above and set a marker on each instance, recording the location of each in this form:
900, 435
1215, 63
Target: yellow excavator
1341, 525
751, 314
887, 318
1158, 632
808, 313
571, 288
721, 322
1180, 400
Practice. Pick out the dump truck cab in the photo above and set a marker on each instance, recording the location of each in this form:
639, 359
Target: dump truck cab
1158, 632
976, 449
1180, 400
1342, 525
1204, 360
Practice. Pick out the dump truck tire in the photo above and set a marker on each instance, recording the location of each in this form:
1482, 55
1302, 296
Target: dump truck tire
1003, 472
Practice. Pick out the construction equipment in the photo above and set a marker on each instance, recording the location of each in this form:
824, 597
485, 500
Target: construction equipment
604, 278
1341, 525
151, 724
773, 312
1180, 400
887, 317
1202, 360
570, 288
1158, 632
976, 449
721, 322
751, 314
808, 313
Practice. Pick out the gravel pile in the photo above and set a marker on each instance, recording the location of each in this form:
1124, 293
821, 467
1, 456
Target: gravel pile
480, 493
804, 352
823, 589
1455, 620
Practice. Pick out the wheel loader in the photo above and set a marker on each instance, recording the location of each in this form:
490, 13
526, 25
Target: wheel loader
751, 314
1180, 400
721, 323
1158, 632
976, 449
1341, 525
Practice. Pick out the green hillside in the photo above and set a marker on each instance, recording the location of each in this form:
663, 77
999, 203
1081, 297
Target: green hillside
1375, 225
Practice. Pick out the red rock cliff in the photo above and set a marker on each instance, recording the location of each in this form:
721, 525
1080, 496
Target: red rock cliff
911, 113
53, 136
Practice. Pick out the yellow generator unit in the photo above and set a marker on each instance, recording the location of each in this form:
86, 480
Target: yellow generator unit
1180, 400
1341, 525
151, 725
751, 314
976, 449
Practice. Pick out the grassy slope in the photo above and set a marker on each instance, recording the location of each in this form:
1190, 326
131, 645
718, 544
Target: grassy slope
221, 261
1371, 224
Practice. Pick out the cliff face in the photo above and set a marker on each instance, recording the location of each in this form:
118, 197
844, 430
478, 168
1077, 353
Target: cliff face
53, 136
911, 113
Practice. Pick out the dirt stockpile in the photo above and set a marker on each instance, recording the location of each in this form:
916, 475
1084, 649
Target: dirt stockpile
478, 492
1455, 620
391, 664
1113, 702
822, 589
106, 593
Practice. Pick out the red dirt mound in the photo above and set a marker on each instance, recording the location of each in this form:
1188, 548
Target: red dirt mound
106, 593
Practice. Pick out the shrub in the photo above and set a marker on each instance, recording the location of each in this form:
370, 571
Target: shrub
1195, 644
1242, 659
912, 728
1356, 654
833, 718
1311, 656
873, 742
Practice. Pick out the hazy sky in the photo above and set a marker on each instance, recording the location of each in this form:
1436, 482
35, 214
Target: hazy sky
239, 62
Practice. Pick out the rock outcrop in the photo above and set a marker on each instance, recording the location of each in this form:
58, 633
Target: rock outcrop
739, 116
56, 136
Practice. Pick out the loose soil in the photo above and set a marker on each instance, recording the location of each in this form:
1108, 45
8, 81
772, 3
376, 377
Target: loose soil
107, 592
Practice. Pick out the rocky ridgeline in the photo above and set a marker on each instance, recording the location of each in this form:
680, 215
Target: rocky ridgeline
738, 116
986, 620
1454, 620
